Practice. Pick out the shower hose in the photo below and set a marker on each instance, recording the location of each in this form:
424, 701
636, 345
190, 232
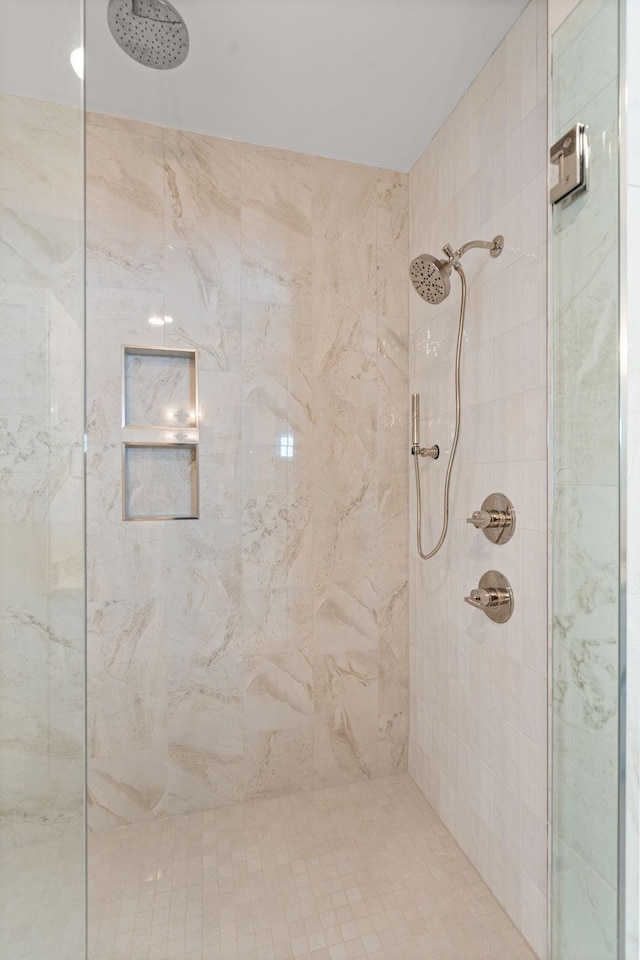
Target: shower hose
454, 445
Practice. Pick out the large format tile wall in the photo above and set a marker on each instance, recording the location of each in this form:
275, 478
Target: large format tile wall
478, 743
263, 647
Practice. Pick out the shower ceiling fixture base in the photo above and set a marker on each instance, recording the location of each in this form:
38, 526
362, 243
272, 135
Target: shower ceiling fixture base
149, 31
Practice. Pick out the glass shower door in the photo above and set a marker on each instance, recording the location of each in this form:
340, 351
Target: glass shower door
585, 498
42, 607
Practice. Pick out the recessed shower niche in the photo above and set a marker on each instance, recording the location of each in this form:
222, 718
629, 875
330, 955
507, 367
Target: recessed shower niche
160, 434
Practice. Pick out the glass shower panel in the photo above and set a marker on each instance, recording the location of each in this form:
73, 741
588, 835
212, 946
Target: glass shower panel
585, 477
42, 606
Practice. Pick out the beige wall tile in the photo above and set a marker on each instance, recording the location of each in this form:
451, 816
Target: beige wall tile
287, 273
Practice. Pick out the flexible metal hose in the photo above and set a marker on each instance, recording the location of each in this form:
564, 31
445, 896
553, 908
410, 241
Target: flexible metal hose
454, 445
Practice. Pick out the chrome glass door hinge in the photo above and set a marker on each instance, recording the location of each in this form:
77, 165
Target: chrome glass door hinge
570, 155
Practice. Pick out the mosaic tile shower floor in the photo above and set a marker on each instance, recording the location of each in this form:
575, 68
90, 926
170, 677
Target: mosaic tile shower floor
363, 870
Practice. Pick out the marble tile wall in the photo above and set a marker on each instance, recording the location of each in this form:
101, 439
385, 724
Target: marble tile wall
478, 694
264, 647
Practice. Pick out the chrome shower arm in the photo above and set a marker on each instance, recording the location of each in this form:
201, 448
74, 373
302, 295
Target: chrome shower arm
495, 247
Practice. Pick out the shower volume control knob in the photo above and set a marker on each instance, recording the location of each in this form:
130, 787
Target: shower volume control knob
493, 595
481, 519
497, 518
486, 598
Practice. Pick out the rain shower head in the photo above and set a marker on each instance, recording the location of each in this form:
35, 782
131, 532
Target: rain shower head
149, 31
430, 277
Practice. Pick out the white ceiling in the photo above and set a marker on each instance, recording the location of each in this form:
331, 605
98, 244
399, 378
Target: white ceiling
363, 80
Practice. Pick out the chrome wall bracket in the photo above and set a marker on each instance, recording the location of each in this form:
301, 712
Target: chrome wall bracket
496, 518
433, 452
494, 596
416, 449
570, 155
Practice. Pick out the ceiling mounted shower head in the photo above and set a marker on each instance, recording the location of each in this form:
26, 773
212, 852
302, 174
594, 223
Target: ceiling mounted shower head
149, 31
430, 278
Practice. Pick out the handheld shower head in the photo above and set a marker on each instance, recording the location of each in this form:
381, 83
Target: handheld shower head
430, 278
415, 419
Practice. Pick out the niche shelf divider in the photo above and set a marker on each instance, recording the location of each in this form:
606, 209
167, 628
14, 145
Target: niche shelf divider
160, 434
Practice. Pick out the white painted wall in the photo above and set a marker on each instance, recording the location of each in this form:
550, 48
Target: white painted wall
355, 80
